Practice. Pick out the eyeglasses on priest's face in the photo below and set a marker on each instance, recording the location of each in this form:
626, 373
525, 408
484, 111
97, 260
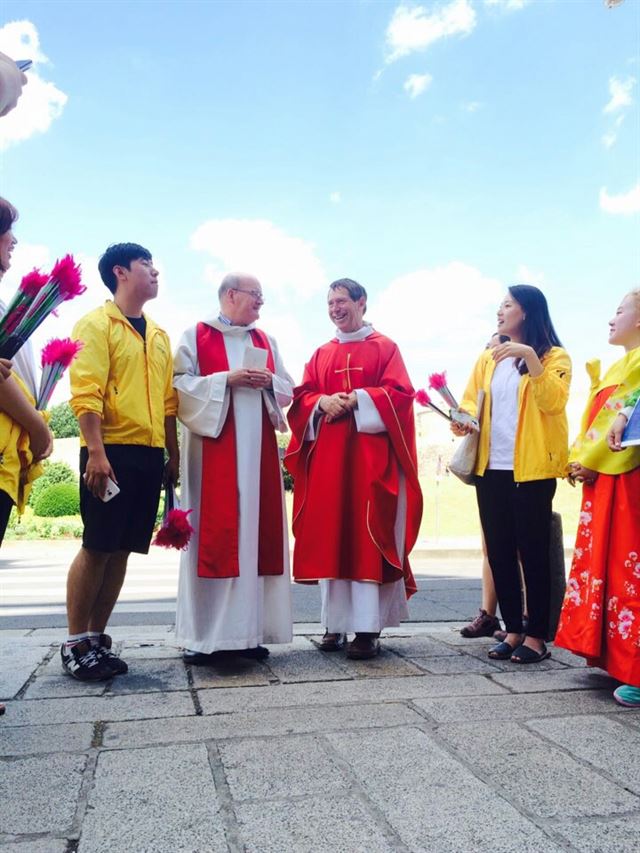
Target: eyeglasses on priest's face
255, 294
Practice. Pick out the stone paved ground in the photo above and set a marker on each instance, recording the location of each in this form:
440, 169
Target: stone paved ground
429, 747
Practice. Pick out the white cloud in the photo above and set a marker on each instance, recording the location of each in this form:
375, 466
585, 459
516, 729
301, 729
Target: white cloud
525, 275
508, 5
335, 198
624, 204
416, 84
41, 102
284, 264
414, 28
472, 106
441, 317
619, 94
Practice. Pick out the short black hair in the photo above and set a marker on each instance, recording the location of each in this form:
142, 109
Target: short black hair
120, 255
356, 291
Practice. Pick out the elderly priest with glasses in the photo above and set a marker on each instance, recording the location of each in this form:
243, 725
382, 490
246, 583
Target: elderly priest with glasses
234, 589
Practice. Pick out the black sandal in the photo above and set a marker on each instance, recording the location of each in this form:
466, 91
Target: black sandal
525, 654
502, 651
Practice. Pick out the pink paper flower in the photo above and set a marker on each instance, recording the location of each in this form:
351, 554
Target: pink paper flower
423, 398
67, 274
32, 282
438, 380
62, 350
175, 531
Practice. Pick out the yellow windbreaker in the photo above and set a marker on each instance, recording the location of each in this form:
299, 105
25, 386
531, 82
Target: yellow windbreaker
542, 435
16, 469
125, 379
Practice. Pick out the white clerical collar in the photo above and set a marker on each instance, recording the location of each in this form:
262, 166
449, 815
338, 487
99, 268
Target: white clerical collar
359, 335
224, 325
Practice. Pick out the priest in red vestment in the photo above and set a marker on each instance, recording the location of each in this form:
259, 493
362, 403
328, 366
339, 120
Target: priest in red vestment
357, 499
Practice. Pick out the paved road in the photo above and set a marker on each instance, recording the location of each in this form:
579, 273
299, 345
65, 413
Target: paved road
33, 576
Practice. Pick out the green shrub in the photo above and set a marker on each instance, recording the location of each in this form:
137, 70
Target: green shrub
63, 422
54, 472
58, 499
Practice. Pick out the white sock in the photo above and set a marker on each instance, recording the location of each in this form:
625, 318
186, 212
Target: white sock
74, 639
93, 636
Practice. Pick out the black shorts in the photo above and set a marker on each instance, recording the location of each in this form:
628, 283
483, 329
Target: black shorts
126, 522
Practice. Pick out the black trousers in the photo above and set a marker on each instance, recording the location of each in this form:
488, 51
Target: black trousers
516, 518
6, 505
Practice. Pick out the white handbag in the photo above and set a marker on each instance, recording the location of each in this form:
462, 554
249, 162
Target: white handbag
463, 461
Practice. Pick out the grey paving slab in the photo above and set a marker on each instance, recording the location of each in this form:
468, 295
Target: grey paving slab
430, 799
150, 651
26, 804
533, 681
456, 664
566, 657
83, 708
385, 665
41, 845
268, 722
29, 740
13, 633
280, 767
320, 825
602, 741
540, 779
150, 676
616, 835
453, 637
522, 706
232, 672
159, 799
362, 690
62, 687
301, 661
419, 646
17, 662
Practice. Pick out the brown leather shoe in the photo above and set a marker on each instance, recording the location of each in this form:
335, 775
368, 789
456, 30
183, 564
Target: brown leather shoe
363, 647
331, 642
483, 625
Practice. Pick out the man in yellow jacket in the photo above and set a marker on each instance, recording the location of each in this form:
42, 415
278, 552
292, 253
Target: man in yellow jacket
122, 395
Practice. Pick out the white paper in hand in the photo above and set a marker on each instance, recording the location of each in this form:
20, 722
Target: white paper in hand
255, 358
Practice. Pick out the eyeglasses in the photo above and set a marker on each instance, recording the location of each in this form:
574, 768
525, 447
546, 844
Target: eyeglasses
256, 294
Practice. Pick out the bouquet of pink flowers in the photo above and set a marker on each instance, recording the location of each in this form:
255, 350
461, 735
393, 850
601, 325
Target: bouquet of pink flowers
37, 296
425, 400
438, 382
56, 356
175, 531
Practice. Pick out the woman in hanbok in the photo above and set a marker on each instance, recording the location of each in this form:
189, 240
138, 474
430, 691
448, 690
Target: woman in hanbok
600, 618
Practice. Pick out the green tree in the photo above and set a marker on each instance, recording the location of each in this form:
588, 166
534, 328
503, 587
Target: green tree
63, 422
283, 443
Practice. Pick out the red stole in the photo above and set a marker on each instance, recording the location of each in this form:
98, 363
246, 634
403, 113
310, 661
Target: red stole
219, 541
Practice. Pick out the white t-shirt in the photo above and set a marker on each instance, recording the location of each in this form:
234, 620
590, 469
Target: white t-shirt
504, 415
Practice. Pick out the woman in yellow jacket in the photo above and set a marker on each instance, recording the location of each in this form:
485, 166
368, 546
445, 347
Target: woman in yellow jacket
24, 435
523, 448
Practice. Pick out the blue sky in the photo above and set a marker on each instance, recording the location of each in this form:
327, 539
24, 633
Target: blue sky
434, 151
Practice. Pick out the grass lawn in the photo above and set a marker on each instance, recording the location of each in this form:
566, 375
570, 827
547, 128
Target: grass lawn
450, 508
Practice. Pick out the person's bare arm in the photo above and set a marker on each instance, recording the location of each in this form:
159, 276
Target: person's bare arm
16, 405
98, 466
172, 468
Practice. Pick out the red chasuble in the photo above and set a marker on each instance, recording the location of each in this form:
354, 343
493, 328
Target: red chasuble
600, 618
346, 483
218, 542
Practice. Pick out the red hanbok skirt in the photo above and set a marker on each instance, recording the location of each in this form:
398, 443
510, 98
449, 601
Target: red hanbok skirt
600, 618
